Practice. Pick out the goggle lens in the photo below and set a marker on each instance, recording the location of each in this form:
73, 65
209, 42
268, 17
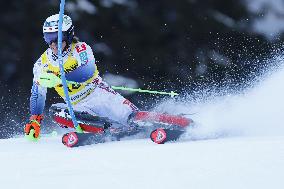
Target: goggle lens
50, 37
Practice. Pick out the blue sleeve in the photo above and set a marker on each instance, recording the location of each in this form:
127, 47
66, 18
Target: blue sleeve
82, 73
37, 99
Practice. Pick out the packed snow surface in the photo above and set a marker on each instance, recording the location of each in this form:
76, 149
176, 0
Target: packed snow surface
254, 162
238, 143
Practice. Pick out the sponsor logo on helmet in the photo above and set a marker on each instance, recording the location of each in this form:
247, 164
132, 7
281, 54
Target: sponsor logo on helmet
50, 24
67, 20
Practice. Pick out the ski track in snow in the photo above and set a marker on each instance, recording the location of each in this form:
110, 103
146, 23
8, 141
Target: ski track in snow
238, 143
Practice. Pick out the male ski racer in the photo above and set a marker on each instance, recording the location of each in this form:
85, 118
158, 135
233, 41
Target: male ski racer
86, 89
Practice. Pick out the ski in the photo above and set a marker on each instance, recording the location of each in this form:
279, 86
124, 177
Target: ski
158, 136
75, 139
160, 127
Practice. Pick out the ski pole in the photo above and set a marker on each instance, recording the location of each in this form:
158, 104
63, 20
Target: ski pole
60, 60
50, 80
172, 94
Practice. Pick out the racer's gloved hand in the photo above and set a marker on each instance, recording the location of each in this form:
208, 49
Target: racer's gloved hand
32, 129
49, 80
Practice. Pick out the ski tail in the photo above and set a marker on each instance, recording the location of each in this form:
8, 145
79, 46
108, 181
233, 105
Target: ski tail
165, 127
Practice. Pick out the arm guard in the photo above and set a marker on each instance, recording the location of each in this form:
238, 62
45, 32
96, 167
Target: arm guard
38, 93
37, 99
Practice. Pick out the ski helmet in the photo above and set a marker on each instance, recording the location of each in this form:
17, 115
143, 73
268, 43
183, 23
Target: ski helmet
50, 29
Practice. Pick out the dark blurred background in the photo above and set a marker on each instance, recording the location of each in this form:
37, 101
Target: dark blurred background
166, 45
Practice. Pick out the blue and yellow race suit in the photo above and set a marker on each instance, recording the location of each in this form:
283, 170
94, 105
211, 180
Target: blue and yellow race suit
79, 66
89, 91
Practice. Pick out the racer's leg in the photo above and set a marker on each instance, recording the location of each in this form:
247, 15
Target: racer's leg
105, 102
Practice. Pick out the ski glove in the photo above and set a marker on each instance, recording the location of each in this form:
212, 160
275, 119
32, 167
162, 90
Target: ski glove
32, 129
49, 80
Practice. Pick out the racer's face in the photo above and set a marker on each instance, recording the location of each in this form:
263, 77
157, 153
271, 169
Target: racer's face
54, 47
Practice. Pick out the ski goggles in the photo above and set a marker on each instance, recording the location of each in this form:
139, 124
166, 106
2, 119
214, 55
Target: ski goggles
50, 37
